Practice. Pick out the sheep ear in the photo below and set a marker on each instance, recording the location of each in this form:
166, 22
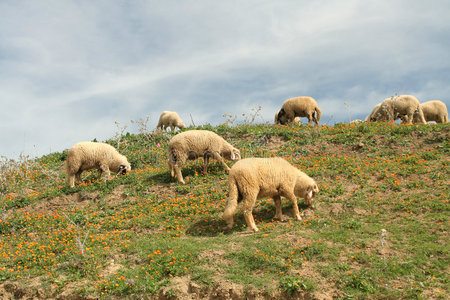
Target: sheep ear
309, 195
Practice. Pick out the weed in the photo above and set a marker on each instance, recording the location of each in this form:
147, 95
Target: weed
292, 284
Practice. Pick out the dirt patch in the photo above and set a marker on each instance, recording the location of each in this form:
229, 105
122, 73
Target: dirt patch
292, 237
117, 196
9, 290
63, 202
111, 268
34, 290
215, 260
185, 288
307, 213
272, 141
70, 291
162, 189
360, 211
327, 289
212, 254
336, 208
331, 208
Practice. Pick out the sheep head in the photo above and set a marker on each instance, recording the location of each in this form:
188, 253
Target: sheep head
123, 169
306, 188
121, 166
235, 154
311, 192
281, 117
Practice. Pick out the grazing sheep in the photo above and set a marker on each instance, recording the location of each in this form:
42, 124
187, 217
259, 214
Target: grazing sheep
91, 155
299, 107
170, 119
434, 110
255, 178
397, 106
371, 116
198, 143
283, 120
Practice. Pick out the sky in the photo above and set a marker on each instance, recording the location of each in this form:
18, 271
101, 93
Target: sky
70, 70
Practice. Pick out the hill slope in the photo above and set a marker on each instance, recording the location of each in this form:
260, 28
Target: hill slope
379, 227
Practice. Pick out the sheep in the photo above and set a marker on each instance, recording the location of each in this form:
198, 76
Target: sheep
255, 178
90, 155
170, 119
434, 110
403, 105
299, 107
195, 143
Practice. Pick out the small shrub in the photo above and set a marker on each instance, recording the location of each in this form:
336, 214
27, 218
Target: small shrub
292, 284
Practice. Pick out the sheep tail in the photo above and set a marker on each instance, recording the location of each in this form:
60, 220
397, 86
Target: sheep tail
172, 160
318, 114
72, 165
232, 202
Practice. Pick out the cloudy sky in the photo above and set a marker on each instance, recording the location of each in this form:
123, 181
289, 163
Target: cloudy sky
70, 69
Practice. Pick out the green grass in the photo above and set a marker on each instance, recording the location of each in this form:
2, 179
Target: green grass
132, 235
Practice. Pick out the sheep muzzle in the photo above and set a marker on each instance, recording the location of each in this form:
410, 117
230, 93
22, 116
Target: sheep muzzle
122, 170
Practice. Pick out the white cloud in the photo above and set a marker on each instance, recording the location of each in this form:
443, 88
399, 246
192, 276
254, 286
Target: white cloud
69, 69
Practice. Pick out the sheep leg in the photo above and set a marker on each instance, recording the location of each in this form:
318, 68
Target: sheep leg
78, 175
409, 118
314, 118
71, 180
248, 203
205, 163
310, 119
178, 174
277, 200
104, 169
293, 199
278, 213
172, 171
422, 116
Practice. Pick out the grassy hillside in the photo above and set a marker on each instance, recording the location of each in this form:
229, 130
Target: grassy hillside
378, 229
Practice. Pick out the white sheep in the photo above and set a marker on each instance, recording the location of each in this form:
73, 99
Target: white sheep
299, 107
193, 144
397, 106
254, 178
434, 110
170, 119
92, 155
